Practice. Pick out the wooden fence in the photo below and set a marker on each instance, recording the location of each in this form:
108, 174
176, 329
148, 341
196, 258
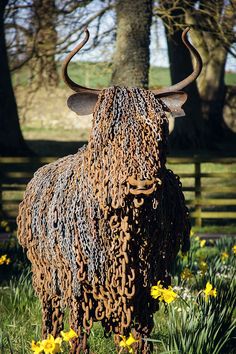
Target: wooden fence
209, 185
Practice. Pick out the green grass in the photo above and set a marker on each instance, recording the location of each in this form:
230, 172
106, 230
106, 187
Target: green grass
99, 75
194, 326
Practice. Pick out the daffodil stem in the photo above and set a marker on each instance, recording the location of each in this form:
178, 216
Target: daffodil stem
184, 300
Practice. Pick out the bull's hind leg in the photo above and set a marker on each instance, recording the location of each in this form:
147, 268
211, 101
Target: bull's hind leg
79, 344
52, 322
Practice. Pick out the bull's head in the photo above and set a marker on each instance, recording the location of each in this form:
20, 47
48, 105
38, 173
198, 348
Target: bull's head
84, 100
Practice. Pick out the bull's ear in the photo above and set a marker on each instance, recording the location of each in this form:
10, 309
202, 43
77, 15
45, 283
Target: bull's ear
174, 102
82, 103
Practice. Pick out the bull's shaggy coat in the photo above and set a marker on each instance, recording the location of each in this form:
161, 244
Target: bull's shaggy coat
104, 225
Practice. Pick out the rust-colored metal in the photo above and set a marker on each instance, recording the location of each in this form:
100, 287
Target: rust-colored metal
95, 246
173, 88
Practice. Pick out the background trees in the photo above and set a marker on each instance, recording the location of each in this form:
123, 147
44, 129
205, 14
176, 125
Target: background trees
39, 32
11, 139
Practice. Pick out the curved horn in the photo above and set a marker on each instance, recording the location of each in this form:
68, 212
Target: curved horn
196, 72
75, 87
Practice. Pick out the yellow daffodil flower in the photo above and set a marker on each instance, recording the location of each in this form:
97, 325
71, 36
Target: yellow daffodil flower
234, 249
4, 259
36, 347
186, 274
224, 256
192, 233
51, 345
203, 267
126, 343
168, 295
202, 243
156, 290
209, 290
69, 335
162, 294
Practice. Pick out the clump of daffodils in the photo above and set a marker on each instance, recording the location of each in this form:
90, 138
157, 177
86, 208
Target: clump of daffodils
4, 260
224, 256
52, 345
126, 343
209, 290
186, 274
162, 294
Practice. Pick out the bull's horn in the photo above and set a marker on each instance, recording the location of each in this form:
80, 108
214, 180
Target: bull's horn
196, 72
75, 87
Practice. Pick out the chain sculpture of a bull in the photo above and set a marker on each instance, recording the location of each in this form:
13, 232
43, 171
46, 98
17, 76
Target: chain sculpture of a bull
104, 225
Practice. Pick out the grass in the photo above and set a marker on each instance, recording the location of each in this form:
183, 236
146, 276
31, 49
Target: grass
99, 75
194, 326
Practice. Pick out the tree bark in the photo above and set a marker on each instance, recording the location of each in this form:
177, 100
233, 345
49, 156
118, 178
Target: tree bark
189, 130
44, 14
131, 59
11, 139
211, 83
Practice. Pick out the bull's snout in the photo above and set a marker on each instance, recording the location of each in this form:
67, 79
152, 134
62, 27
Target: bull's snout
137, 186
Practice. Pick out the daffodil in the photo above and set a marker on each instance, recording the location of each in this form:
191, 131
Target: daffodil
162, 294
203, 267
36, 347
126, 343
192, 233
67, 336
224, 256
156, 290
186, 274
202, 243
209, 290
7, 261
51, 345
234, 249
168, 295
4, 259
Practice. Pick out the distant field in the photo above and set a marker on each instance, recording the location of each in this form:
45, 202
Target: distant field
99, 75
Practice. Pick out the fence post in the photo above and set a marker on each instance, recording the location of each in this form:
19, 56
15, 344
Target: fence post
198, 207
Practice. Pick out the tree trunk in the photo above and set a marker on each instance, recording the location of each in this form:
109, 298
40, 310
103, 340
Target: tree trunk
211, 83
11, 139
44, 13
189, 130
131, 59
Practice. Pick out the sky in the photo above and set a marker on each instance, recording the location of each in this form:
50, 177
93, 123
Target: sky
158, 46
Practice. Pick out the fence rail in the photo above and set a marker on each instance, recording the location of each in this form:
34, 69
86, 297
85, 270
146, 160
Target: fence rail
209, 184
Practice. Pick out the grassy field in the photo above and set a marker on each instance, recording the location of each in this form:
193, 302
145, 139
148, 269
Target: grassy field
192, 323
99, 75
